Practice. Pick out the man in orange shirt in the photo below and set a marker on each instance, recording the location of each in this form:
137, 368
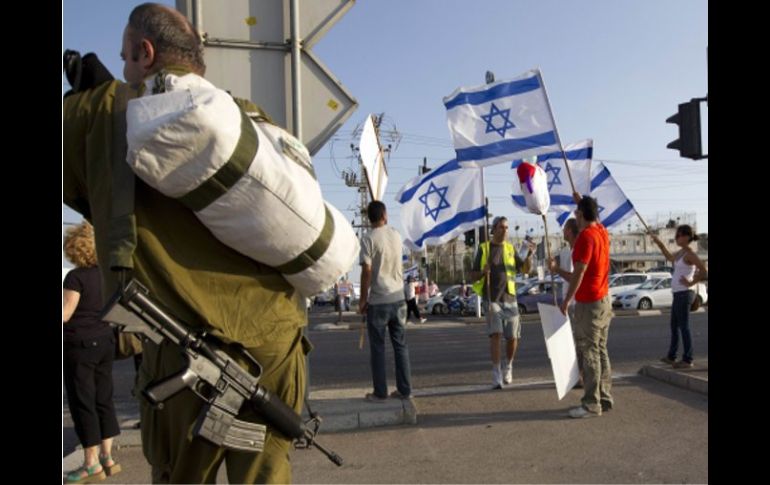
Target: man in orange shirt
589, 286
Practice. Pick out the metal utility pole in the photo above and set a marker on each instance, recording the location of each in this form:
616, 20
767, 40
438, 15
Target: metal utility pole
454, 260
435, 256
358, 180
296, 92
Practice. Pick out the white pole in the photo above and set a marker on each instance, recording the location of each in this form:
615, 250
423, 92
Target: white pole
555, 129
296, 95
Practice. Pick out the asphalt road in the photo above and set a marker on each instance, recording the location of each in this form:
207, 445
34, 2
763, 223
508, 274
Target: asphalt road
460, 355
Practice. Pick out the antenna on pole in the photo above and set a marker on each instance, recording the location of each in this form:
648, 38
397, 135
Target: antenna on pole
353, 179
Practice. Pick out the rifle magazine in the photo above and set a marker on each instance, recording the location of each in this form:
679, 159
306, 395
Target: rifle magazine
223, 429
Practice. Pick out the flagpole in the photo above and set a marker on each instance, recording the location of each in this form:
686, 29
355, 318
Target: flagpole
382, 168
556, 130
489, 77
642, 220
548, 250
487, 282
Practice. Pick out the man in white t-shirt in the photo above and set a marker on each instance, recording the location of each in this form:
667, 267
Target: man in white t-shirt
411, 299
382, 298
570, 232
564, 269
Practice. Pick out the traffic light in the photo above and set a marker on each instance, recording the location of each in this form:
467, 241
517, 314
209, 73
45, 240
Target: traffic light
470, 238
688, 119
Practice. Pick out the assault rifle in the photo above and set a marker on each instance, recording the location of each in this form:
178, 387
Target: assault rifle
214, 376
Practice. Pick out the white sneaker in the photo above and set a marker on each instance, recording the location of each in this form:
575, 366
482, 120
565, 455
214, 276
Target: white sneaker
497, 378
508, 373
423, 320
581, 412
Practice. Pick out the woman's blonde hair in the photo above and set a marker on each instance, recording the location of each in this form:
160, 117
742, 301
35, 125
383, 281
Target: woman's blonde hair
79, 247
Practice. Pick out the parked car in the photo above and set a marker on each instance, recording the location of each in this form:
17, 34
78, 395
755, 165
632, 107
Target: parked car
437, 305
654, 293
661, 269
324, 298
531, 294
620, 282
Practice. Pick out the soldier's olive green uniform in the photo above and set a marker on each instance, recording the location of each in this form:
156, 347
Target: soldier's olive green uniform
203, 282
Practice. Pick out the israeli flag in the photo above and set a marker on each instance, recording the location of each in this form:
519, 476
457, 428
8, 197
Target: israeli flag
614, 206
441, 204
579, 155
495, 123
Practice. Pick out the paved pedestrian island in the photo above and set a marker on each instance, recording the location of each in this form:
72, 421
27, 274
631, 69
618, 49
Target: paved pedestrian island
472, 434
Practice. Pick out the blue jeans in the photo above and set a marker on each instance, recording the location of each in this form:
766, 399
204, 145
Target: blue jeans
680, 321
393, 317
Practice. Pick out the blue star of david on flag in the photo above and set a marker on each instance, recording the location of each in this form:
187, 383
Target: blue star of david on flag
442, 202
555, 180
504, 114
615, 206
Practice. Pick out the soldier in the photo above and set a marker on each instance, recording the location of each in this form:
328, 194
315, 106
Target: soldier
206, 284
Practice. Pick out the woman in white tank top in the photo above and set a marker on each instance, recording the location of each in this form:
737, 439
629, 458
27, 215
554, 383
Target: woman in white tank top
686, 262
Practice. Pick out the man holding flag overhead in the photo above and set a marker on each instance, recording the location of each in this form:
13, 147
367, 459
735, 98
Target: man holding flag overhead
589, 286
494, 270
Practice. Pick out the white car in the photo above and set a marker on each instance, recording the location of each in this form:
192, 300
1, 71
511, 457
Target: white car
324, 298
652, 294
436, 304
620, 282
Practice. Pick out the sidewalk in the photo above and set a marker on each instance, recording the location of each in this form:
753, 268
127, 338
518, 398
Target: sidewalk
695, 379
346, 410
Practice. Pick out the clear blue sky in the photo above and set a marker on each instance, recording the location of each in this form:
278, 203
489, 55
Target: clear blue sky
614, 72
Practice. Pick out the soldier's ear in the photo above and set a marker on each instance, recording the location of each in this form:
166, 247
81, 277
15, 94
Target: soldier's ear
147, 54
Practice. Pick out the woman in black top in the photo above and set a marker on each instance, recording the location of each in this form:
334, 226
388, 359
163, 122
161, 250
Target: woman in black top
89, 348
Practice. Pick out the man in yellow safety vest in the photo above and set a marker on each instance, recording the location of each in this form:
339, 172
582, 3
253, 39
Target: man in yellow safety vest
494, 270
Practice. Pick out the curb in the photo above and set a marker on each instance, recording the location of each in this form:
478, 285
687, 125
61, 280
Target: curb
619, 312
356, 413
679, 379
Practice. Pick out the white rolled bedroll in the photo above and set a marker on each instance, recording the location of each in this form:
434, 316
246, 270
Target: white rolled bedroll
250, 183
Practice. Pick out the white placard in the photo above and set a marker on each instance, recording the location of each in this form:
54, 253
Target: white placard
374, 163
560, 345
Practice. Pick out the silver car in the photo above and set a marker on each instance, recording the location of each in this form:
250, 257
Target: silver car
654, 293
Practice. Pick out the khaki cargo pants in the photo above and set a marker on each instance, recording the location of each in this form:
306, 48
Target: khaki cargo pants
592, 324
